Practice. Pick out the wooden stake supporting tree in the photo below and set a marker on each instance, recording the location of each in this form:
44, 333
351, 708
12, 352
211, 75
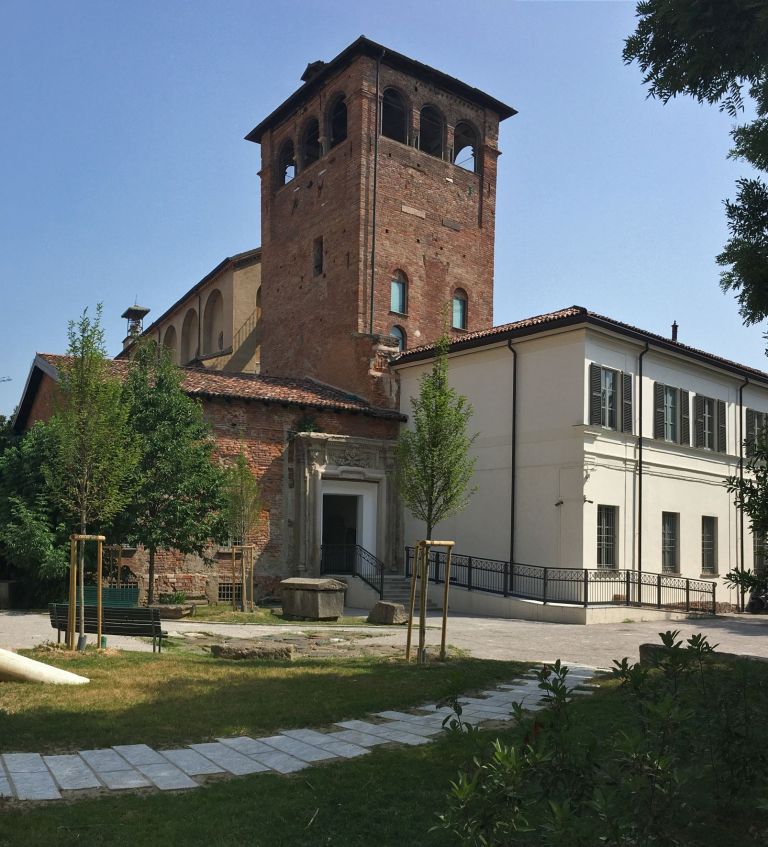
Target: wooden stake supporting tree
421, 572
247, 560
77, 554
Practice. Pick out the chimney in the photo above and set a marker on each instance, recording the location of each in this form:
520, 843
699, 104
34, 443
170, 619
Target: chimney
674, 330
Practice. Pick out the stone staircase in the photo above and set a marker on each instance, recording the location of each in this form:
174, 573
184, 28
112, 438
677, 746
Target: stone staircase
397, 589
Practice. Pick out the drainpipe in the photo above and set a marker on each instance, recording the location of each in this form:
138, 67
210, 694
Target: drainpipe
640, 463
513, 480
741, 479
375, 187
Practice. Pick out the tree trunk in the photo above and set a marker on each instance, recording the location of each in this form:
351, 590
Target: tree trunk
81, 582
151, 586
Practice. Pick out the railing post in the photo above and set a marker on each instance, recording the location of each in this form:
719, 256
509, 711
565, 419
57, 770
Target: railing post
469, 574
626, 590
687, 595
586, 588
507, 566
544, 589
714, 604
658, 590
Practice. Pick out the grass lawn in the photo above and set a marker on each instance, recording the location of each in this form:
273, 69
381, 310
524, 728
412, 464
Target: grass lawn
178, 698
388, 798
223, 613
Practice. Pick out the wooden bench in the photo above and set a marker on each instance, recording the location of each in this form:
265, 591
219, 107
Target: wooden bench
114, 621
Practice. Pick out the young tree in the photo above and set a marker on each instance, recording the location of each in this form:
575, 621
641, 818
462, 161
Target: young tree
714, 50
435, 467
177, 502
95, 449
242, 505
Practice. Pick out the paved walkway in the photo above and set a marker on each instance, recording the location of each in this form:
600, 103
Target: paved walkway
30, 776
487, 638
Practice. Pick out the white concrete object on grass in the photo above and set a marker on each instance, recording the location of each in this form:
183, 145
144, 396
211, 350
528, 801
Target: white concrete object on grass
15, 668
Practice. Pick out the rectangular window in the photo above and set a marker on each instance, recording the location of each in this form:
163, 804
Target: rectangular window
397, 297
670, 542
708, 545
318, 260
708, 423
607, 520
671, 413
710, 428
756, 423
608, 397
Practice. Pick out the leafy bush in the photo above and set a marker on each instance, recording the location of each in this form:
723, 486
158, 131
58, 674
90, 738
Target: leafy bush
688, 722
174, 598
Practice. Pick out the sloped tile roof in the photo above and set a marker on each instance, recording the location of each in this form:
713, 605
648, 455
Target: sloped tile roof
201, 382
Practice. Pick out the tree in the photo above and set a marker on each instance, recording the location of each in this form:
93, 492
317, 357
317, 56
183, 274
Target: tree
715, 51
177, 501
242, 507
435, 467
95, 449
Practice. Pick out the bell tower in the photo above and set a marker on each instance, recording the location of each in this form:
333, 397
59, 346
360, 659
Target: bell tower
377, 217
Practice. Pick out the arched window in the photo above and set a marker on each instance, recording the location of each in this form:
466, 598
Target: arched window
394, 123
399, 333
258, 303
189, 331
337, 122
459, 310
431, 131
311, 150
170, 343
286, 163
465, 147
398, 300
213, 323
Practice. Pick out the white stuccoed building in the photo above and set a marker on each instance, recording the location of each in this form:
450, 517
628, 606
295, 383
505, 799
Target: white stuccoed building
600, 446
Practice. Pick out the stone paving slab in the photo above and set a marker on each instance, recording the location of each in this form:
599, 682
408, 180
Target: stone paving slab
229, 759
192, 762
71, 772
130, 766
35, 786
107, 760
167, 777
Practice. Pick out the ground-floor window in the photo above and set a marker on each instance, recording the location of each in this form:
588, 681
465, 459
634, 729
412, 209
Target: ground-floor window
606, 536
708, 544
670, 542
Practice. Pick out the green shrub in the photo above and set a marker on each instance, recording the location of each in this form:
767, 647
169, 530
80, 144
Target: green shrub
175, 598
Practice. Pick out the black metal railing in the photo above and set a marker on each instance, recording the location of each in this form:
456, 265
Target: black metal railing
572, 586
354, 560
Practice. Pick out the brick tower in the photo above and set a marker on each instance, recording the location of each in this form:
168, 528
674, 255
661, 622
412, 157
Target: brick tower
370, 239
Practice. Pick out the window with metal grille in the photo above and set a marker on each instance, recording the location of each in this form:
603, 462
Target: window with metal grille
708, 544
670, 542
606, 536
225, 592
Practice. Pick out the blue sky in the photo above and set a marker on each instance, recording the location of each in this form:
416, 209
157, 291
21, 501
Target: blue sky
124, 173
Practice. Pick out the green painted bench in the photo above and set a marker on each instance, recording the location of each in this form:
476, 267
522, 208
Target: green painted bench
123, 598
139, 621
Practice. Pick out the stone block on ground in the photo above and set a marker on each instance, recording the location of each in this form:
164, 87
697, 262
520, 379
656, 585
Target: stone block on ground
252, 651
313, 599
386, 612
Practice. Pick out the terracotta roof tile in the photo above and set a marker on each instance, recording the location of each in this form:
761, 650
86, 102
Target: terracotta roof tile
201, 382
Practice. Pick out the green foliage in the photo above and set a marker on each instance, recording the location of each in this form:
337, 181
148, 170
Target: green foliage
689, 725
717, 52
434, 464
95, 450
177, 490
751, 490
242, 501
175, 598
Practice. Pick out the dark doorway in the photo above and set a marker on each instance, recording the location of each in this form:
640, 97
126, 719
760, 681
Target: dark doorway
339, 532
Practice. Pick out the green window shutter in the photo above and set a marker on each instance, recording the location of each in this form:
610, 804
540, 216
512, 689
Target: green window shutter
698, 421
594, 395
685, 418
658, 410
750, 436
722, 440
626, 407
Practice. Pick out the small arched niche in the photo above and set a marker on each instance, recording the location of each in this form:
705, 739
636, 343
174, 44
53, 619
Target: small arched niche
431, 131
171, 344
189, 337
394, 116
213, 323
337, 121
465, 147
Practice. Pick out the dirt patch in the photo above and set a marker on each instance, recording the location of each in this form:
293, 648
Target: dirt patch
305, 645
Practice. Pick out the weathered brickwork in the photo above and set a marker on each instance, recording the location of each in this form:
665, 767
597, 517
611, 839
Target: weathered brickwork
435, 222
264, 432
